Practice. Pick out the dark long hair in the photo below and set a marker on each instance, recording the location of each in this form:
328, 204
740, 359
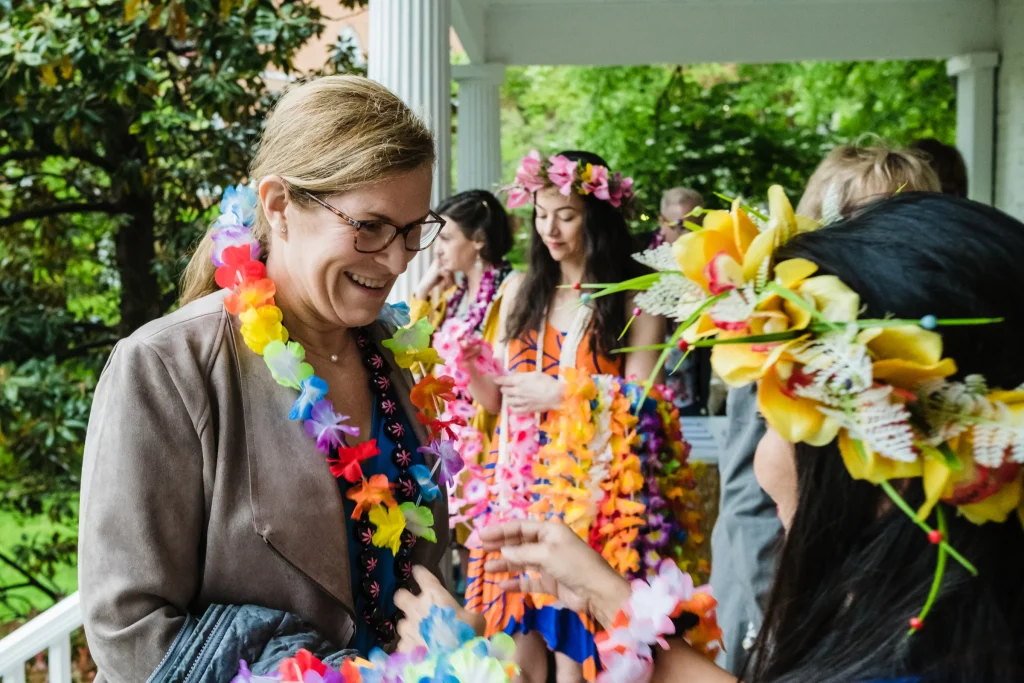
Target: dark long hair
478, 213
607, 251
853, 569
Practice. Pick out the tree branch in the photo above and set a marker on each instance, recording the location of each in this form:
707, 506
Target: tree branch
60, 209
52, 594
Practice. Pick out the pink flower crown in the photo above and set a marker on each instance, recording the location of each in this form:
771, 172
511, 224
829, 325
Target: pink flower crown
567, 176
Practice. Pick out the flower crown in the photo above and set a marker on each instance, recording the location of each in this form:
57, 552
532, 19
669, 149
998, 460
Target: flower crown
567, 176
881, 386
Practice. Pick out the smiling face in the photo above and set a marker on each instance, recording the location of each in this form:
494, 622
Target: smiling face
314, 261
559, 222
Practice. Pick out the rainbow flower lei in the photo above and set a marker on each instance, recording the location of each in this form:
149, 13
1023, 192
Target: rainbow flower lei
453, 654
567, 176
250, 296
879, 386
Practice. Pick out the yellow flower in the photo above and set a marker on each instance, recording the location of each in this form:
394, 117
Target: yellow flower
262, 325
390, 523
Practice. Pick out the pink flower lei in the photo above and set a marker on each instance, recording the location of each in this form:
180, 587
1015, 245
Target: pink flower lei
567, 176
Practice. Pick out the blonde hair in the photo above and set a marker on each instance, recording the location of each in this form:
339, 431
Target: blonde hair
854, 175
680, 196
326, 136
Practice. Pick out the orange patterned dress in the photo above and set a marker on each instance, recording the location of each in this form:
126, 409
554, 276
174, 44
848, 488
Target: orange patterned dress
563, 630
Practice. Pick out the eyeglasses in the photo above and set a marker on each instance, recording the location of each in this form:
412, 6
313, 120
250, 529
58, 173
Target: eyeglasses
374, 236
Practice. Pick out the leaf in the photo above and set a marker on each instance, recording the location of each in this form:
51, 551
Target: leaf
131, 10
48, 75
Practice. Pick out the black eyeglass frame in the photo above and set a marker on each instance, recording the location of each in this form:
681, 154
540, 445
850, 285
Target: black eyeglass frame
431, 219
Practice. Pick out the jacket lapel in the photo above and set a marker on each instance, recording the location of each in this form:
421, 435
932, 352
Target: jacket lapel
296, 504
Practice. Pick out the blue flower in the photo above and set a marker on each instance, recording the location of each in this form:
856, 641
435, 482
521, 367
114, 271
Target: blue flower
396, 315
443, 632
428, 489
241, 201
311, 390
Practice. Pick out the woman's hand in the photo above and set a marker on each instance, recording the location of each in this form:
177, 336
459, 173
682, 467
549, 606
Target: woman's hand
417, 608
531, 392
558, 563
436, 276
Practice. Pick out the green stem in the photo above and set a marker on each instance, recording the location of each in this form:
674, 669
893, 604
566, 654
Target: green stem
940, 570
905, 507
626, 328
749, 209
795, 299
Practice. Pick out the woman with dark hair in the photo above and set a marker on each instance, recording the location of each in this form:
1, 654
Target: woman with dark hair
550, 324
469, 269
903, 550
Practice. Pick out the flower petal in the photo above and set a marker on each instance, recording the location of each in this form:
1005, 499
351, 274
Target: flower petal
863, 463
795, 419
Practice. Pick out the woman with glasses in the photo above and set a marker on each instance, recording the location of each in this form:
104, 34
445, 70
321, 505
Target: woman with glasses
202, 486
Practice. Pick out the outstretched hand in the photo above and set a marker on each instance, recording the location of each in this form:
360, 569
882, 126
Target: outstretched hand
548, 557
417, 607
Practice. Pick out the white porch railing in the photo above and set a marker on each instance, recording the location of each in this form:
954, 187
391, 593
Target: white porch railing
49, 632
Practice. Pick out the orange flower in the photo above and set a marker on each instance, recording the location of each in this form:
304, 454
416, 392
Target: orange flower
429, 390
369, 493
250, 294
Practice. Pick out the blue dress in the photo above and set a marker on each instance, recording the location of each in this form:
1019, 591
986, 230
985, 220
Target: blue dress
365, 639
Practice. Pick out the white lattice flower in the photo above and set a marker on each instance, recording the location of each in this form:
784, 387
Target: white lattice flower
875, 418
660, 258
735, 310
672, 296
839, 369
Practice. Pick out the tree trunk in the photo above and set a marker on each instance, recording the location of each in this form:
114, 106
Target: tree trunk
140, 290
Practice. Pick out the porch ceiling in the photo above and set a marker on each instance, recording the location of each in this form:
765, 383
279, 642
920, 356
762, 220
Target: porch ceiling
623, 32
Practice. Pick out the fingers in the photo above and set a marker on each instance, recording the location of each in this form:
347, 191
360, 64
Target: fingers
410, 605
409, 637
524, 584
430, 587
497, 536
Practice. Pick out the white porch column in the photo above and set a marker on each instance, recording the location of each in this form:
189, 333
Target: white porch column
975, 119
1010, 121
409, 53
478, 143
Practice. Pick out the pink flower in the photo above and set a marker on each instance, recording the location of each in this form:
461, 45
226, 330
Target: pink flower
517, 197
598, 185
562, 173
621, 188
528, 174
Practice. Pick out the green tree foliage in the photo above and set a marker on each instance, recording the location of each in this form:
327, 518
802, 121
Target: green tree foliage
120, 120
715, 128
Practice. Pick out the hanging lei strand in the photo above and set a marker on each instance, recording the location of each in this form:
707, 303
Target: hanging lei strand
381, 520
489, 282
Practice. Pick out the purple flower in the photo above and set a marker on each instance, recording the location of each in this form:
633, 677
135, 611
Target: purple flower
448, 458
232, 236
326, 426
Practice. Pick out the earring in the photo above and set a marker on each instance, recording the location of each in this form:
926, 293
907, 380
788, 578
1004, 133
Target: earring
283, 231
479, 263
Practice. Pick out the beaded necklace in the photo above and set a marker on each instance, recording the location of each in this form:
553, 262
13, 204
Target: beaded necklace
388, 514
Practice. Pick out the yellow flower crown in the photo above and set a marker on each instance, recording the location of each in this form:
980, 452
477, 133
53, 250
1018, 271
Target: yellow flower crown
881, 386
